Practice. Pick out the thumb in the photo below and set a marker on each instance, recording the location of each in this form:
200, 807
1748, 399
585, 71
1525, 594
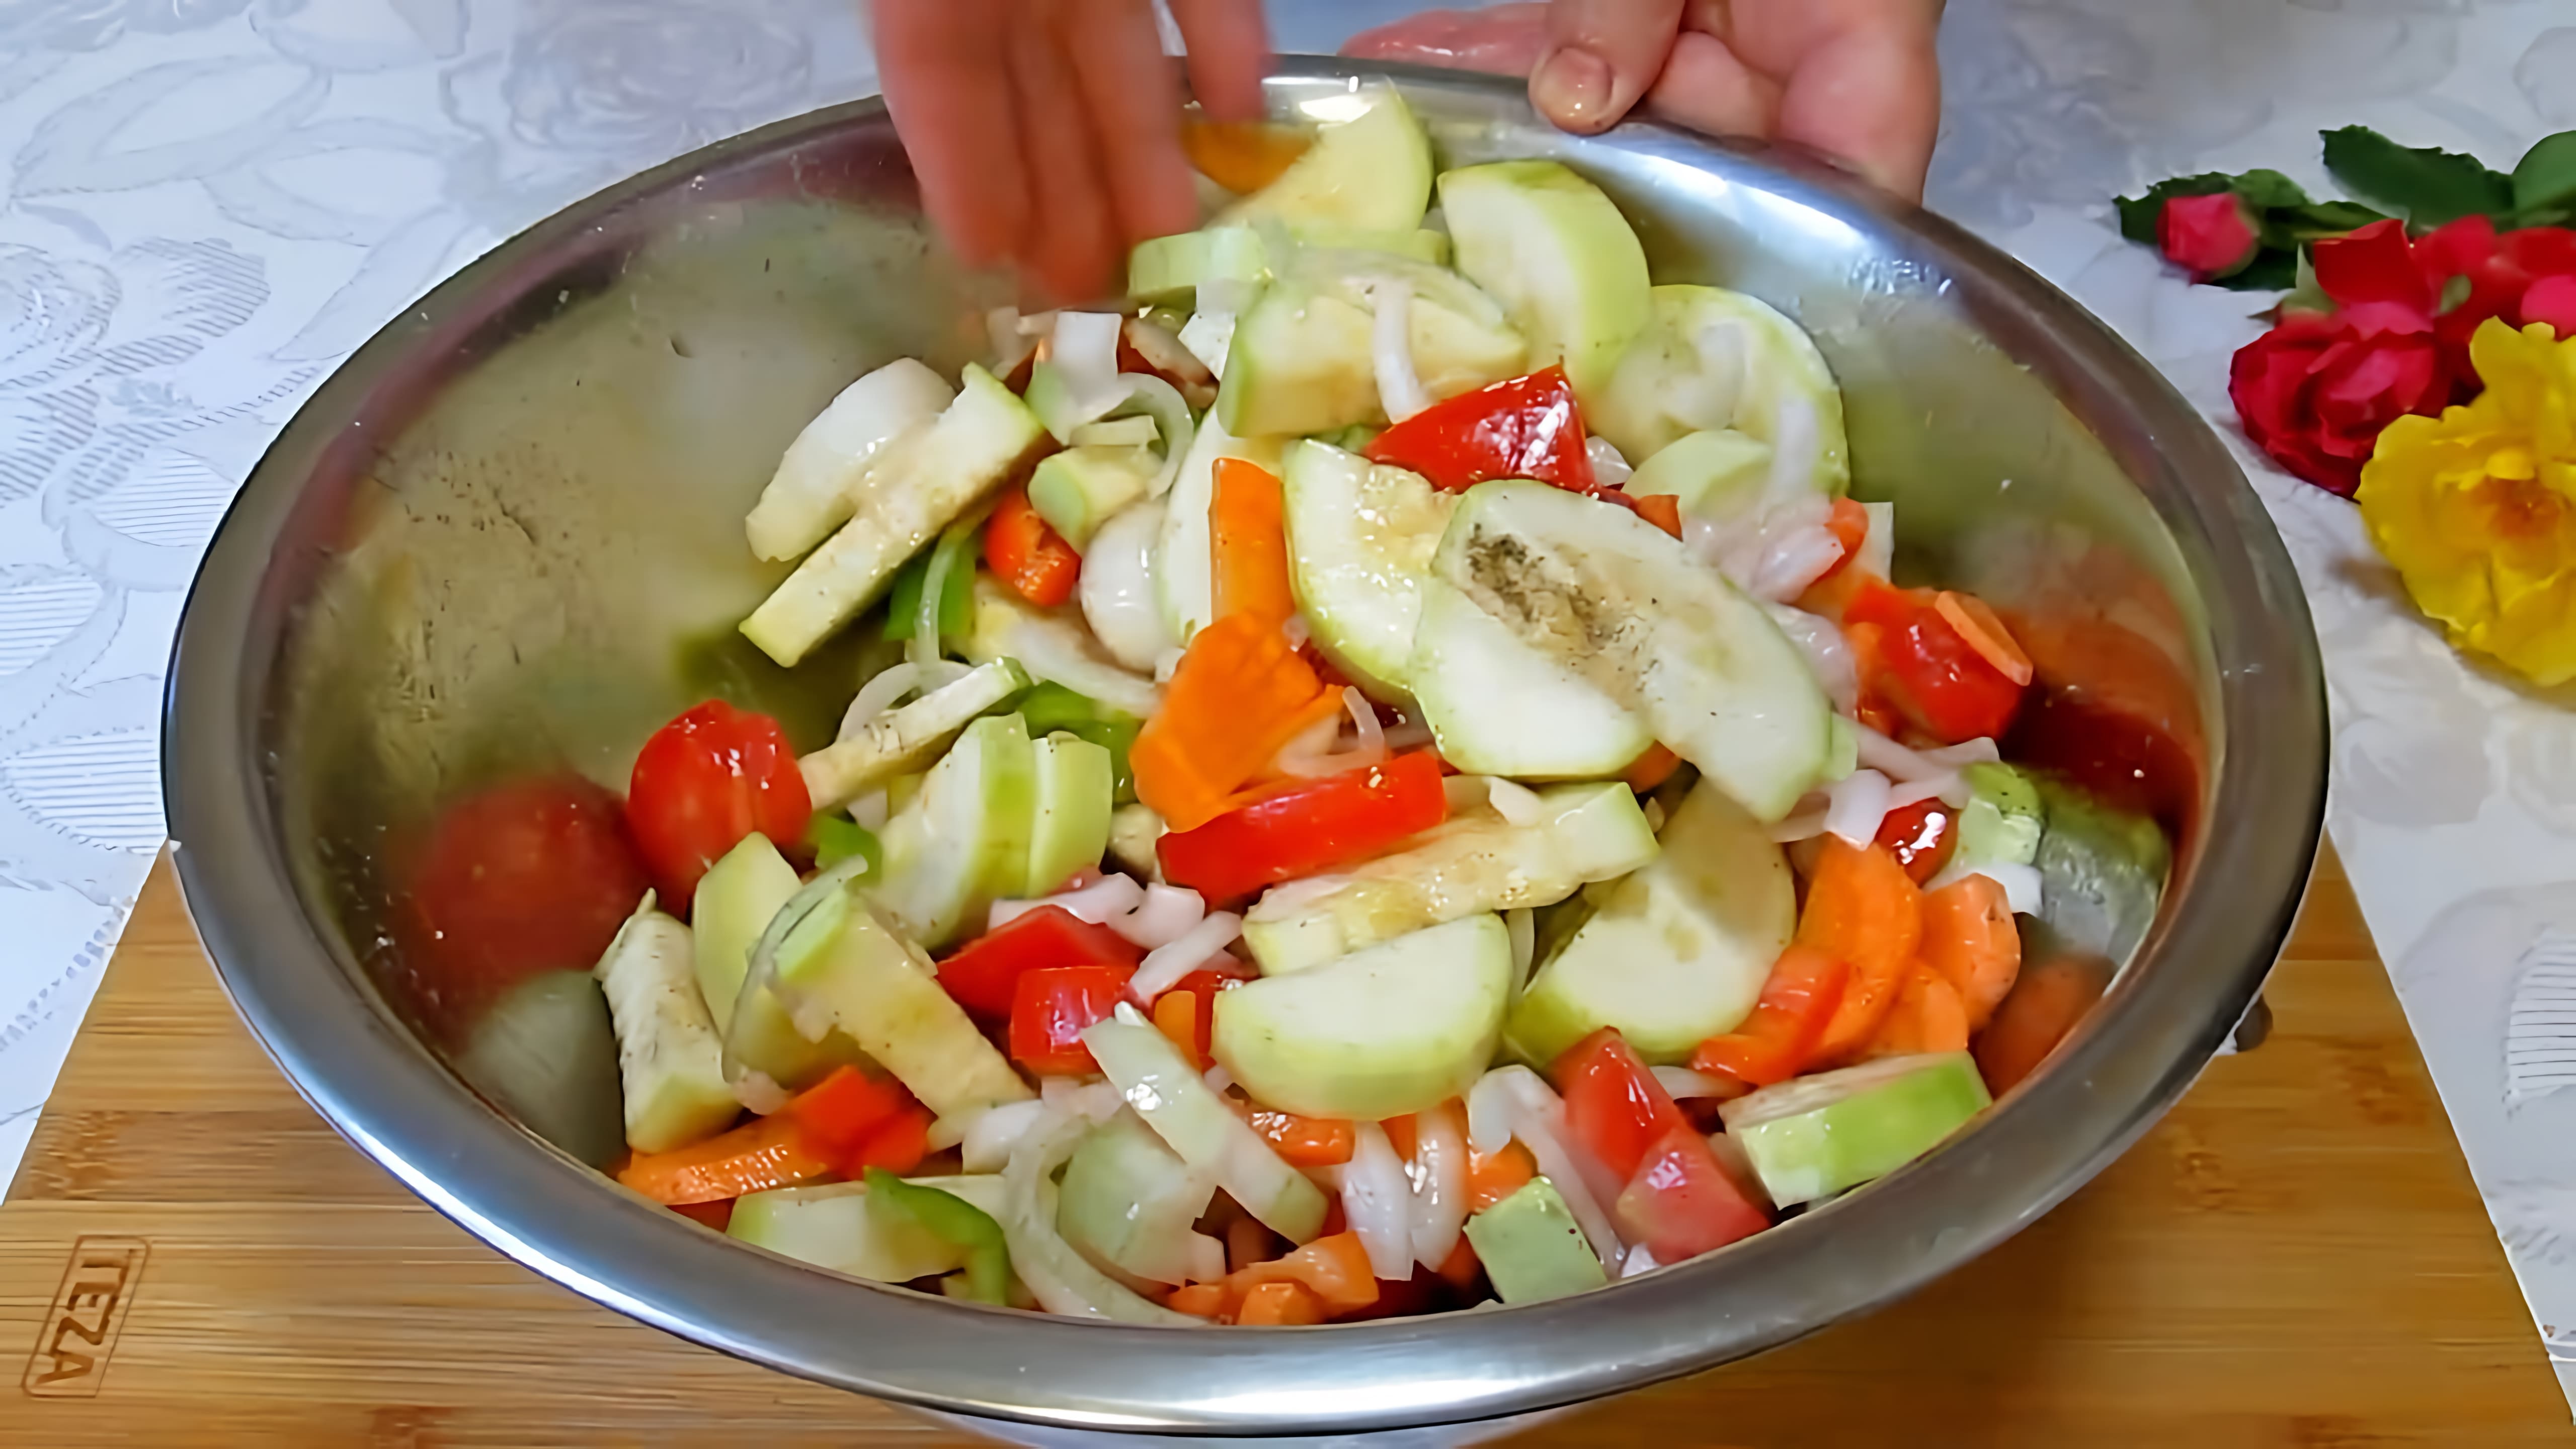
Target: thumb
1602, 57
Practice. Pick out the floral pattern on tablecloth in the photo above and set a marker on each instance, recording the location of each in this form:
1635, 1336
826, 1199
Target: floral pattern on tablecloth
210, 202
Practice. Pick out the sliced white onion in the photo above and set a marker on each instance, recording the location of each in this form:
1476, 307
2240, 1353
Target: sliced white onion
1682, 1084
1296, 632
1399, 386
995, 1132
1164, 352
1052, 651
1117, 587
1171, 414
1165, 915
1489, 1114
1610, 468
1165, 965
1207, 1259
1521, 923
1804, 825
1653, 810
1465, 792
1517, 803
871, 810
1085, 354
1856, 805
1011, 337
1104, 902
1093, 1100
1438, 1177
1639, 1261
1167, 664
1796, 445
1878, 546
1378, 1202
1895, 761
1135, 432
877, 696
1061, 1279
1980, 751
1792, 560
2022, 884
1219, 1079
1939, 787
1209, 334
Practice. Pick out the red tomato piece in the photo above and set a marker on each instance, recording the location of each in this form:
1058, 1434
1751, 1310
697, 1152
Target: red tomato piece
1928, 672
1053, 1006
703, 783
984, 974
1799, 999
1614, 1106
526, 877
1681, 1202
1921, 837
1307, 828
1028, 555
1526, 427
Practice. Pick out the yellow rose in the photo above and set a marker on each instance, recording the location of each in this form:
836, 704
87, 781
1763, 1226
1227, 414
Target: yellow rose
2477, 508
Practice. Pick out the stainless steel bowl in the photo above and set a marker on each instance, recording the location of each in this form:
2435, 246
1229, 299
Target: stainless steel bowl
477, 545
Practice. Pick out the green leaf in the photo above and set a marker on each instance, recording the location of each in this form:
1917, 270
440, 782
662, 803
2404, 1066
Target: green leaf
2306, 295
2546, 179
2270, 271
2139, 214
2426, 186
2268, 189
2290, 226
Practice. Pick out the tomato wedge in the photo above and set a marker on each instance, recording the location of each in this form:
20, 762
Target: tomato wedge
1526, 427
536, 875
984, 973
1921, 836
1307, 828
704, 782
1681, 1202
1614, 1107
1930, 673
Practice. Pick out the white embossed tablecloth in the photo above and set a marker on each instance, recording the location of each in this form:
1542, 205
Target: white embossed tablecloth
210, 202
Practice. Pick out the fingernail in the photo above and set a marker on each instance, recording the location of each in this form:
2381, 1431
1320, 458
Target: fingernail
1572, 88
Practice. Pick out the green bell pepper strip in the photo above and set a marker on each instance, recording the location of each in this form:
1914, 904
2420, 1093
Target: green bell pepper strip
953, 1219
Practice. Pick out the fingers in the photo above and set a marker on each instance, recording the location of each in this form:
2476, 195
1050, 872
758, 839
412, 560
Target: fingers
1498, 39
1871, 97
1229, 46
1068, 245
952, 103
1602, 58
1134, 102
1705, 87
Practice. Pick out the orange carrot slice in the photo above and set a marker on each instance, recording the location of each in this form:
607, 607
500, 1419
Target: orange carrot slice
1863, 908
1492, 1178
1248, 539
1926, 1017
1239, 694
1985, 633
1650, 769
1970, 937
763, 1153
1279, 1303
1243, 156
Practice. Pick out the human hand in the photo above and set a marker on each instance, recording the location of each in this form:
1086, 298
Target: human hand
1048, 132
1855, 79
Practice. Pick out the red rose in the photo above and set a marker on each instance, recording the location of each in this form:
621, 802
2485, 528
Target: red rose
2315, 391
2521, 277
2208, 236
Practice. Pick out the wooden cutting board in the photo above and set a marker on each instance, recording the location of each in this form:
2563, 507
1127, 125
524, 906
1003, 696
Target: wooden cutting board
2295, 1257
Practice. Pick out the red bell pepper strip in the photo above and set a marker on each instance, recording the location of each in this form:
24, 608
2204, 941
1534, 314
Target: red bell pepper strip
1052, 1007
897, 1145
1526, 427
1028, 555
1662, 510
839, 1112
1799, 1000
1614, 1107
1307, 828
1927, 670
985, 972
1681, 1202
